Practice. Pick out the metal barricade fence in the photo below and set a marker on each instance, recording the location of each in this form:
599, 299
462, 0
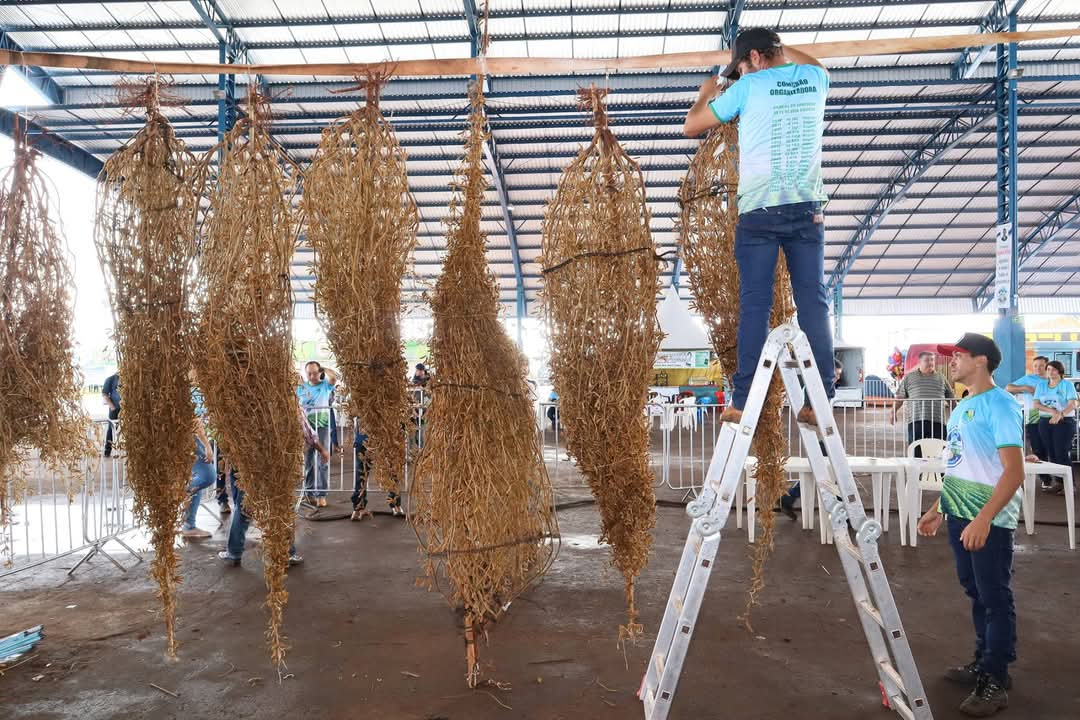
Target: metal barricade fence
57, 515
683, 436
338, 433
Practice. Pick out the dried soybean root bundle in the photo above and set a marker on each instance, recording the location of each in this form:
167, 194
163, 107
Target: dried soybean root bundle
361, 222
484, 505
707, 229
771, 447
40, 383
600, 286
145, 237
244, 339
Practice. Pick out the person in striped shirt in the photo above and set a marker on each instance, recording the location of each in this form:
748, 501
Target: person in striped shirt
926, 392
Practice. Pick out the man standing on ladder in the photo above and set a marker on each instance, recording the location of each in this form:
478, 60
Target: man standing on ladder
778, 94
981, 501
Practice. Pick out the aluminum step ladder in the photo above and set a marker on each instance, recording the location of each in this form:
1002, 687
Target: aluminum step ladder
856, 537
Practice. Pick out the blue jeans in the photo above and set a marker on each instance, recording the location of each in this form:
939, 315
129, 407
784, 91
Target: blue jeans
240, 522
759, 236
203, 475
317, 472
1057, 439
985, 576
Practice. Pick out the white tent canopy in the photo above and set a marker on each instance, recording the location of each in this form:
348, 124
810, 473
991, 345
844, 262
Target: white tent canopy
682, 331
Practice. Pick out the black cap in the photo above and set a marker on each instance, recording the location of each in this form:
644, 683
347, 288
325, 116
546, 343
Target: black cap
975, 345
747, 40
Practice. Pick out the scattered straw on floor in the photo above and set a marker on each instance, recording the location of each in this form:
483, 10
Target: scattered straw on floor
707, 239
484, 505
361, 222
145, 238
243, 353
600, 286
40, 382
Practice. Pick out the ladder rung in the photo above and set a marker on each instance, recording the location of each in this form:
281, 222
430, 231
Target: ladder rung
888, 669
658, 661
844, 543
900, 707
873, 612
831, 488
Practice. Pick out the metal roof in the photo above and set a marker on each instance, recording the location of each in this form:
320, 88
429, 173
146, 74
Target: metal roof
936, 242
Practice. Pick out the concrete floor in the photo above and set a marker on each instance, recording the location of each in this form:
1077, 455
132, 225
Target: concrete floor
367, 643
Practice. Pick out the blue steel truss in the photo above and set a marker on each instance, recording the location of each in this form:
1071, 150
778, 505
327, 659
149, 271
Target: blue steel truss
940, 143
37, 77
498, 180
1058, 223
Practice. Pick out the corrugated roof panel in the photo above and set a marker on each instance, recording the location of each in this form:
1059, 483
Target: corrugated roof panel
252, 9
10, 16
506, 26
451, 50
926, 59
947, 11
599, 47
592, 24
372, 54
396, 7
40, 40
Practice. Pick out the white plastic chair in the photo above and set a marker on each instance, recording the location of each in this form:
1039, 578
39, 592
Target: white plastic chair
934, 482
687, 414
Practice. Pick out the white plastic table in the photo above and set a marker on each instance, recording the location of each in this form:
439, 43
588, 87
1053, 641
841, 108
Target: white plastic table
918, 466
881, 470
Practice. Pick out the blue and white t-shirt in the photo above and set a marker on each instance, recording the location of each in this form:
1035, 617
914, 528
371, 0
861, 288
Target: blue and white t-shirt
315, 399
781, 113
979, 426
1031, 415
1054, 397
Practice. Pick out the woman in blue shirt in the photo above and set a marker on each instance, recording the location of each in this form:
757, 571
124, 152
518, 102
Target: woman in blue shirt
1056, 400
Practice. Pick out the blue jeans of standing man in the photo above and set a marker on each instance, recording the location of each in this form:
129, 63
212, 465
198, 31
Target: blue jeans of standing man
317, 472
759, 237
203, 475
240, 522
986, 576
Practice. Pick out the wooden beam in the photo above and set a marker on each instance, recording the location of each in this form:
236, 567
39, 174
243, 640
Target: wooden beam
526, 66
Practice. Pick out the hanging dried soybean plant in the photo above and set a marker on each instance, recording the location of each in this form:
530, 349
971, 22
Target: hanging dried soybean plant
600, 287
244, 340
706, 228
484, 505
361, 222
707, 239
40, 383
145, 236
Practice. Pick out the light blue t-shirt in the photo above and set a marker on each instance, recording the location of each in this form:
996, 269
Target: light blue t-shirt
1031, 415
1054, 397
315, 399
781, 113
978, 427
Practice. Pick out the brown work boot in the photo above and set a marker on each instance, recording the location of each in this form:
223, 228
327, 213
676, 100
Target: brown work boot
731, 414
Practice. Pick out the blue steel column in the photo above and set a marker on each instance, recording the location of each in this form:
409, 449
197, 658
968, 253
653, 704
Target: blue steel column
838, 310
499, 182
1009, 326
222, 104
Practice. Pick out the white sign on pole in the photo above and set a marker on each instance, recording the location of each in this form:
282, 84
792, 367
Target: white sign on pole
1003, 266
